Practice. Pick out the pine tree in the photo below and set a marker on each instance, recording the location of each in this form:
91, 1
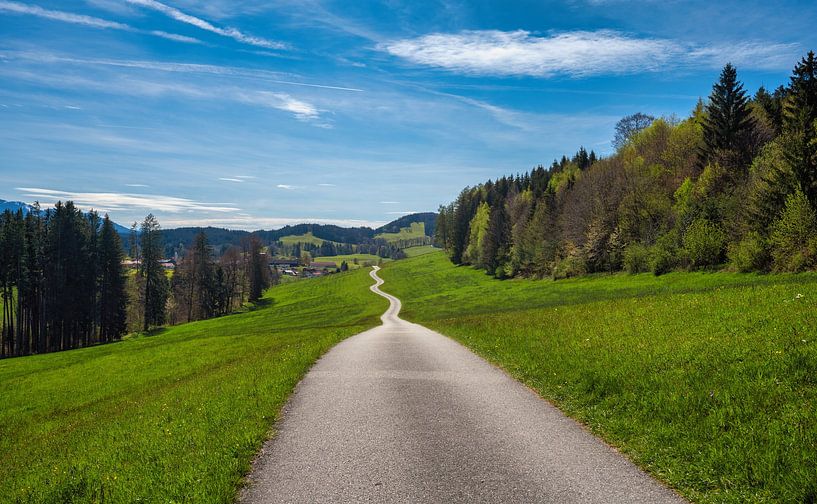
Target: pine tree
258, 271
728, 118
800, 126
112, 294
155, 288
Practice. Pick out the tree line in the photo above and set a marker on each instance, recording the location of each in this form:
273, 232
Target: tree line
64, 282
734, 183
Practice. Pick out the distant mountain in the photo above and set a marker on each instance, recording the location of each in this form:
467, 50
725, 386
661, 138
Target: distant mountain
14, 206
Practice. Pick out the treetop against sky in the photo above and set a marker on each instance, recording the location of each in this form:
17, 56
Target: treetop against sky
255, 114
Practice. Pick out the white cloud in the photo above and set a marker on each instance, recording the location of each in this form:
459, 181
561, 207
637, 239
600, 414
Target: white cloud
229, 179
232, 33
281, 101
576, 54
193, 68
327, 185
286, 186
389, 202
124, 201
137, 185
80, 19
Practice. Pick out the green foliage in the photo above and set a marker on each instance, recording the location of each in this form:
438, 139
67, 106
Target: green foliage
573, 264
477, 230
794, 235
173, 417
704, 243
636, 258
665, 255
303, 238
749, 254
706, 380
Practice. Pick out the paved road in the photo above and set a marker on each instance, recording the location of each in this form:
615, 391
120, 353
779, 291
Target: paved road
400, 413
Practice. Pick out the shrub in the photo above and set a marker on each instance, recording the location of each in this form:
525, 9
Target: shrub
636, 258
573, 264
794, 235
749, 254
665, 254
704, 243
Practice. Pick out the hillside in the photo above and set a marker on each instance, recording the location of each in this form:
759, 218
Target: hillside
706, 380
174, 416
415, 230
316, 233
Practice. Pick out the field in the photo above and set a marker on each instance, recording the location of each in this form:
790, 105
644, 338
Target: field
416, 230
706, 380
421, 250
350, 259
304, 238
172, 417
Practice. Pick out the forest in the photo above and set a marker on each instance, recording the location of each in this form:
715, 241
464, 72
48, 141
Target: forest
64, 282
733, 185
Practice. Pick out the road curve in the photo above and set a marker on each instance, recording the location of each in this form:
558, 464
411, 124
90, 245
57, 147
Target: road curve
400, 413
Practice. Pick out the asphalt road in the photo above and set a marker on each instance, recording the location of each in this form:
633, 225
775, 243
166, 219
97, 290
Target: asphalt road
400, 413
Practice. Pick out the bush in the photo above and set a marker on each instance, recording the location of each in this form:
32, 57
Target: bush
665, 254
704, 243
794, 235
636, 258
749, 254
573, 264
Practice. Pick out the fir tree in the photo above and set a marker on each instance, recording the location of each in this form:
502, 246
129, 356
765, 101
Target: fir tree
728, 117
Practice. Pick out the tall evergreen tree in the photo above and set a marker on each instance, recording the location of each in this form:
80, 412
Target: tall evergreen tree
155, 288
258, 270
728, 117
800, 126
113, 297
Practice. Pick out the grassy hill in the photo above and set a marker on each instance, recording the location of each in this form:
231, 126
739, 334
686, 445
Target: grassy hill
303, 238
414, 230
172, 417
706, 380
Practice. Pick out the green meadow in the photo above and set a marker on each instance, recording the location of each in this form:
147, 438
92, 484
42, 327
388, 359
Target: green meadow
415, 230
420, 250
706, 380
350, 259
174, 416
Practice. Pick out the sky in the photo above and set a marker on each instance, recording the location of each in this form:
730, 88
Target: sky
254, 114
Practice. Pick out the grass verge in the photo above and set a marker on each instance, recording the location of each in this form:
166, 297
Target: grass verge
706, 380
173, 417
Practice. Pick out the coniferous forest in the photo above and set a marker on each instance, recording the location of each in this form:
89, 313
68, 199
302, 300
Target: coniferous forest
734, 184
64, 283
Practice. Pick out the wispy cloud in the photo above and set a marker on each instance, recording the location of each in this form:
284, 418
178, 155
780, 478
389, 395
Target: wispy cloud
232, 33
89, 21
576, 54
137, 185
389, 202
125, 201
174, 67
327, 185
282, 101
229, 179
286, 186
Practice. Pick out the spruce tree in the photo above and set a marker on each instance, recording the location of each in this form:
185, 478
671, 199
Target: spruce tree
112, 293
728, 118
155, 288
800, 126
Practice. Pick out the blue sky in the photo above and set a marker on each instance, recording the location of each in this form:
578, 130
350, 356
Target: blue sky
254, 114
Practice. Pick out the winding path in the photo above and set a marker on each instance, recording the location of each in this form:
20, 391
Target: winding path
400, 413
